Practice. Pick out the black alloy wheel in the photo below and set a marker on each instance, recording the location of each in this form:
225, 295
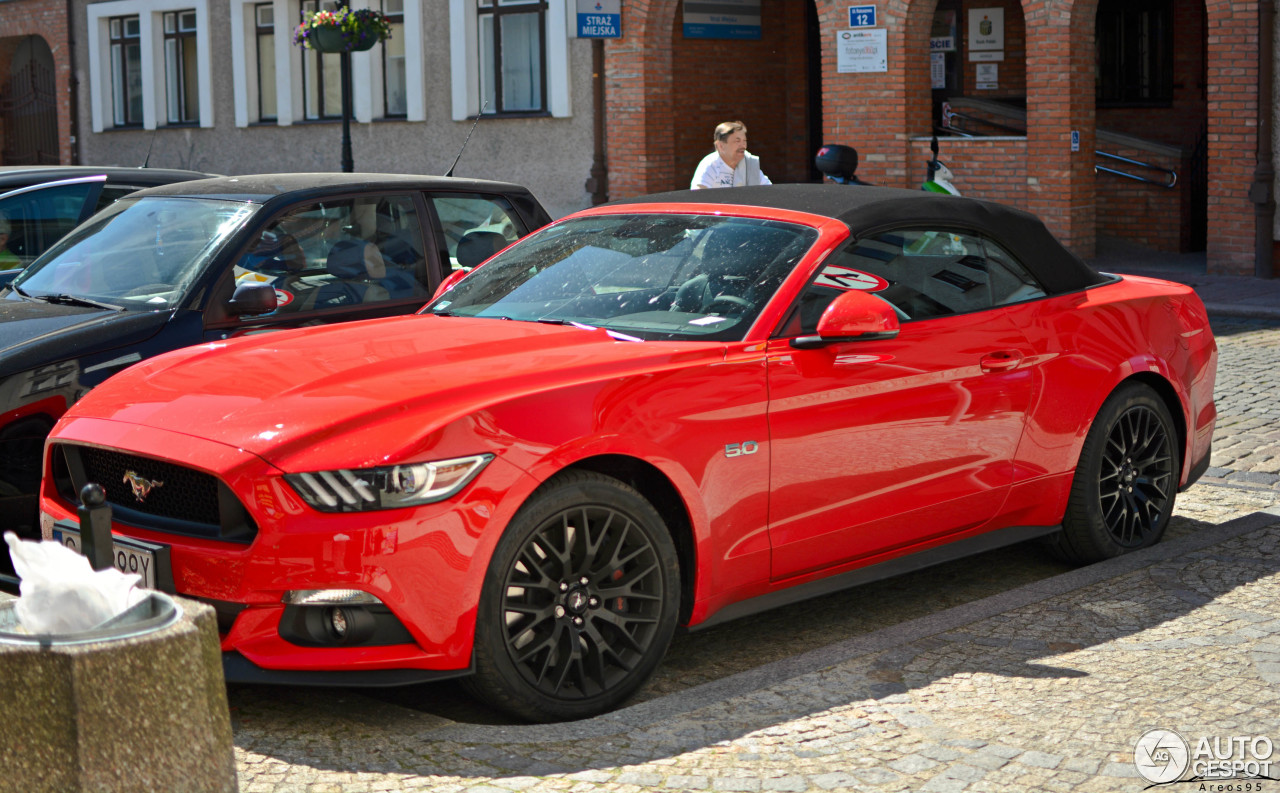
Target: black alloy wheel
1135, 485
1126, 481
580, 601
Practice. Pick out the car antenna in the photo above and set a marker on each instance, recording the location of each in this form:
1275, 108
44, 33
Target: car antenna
147, 159
479, 116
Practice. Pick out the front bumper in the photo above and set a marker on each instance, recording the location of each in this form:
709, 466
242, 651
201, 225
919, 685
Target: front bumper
425, 564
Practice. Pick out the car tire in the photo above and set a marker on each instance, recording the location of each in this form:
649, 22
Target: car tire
579, 602
1124, 487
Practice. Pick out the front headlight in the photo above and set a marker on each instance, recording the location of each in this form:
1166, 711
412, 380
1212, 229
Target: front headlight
387, 487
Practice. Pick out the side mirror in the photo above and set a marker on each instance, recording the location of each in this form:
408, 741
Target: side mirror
449, 283
250, 299
853, 316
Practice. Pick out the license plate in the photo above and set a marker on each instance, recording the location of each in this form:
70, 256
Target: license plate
128, 556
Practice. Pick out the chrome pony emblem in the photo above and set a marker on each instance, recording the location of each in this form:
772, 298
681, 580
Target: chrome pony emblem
141, 486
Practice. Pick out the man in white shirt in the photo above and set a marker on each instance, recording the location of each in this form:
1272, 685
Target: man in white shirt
730, 164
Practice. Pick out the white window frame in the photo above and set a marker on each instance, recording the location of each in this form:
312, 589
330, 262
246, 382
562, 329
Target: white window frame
464, 59
150, 15
366, 67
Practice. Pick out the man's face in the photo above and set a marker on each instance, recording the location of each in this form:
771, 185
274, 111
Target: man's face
732, 148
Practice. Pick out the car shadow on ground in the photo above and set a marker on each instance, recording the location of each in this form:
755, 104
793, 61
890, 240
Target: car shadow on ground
1007, 614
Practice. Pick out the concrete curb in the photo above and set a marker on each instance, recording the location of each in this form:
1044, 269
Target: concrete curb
648, 713
1242, 311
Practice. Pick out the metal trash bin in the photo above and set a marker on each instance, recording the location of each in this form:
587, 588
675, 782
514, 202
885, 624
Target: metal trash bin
138, 703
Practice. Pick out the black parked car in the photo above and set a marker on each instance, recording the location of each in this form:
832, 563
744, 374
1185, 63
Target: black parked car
202, 261
40, 204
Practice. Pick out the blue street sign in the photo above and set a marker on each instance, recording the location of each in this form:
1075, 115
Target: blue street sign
862, 16
599, 19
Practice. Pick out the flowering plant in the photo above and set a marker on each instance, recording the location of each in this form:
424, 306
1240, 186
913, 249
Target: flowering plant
358, 29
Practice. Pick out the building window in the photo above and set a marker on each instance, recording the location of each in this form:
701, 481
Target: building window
1135, 52
510, 57
513, 59
149, 63
388, 81
394, 93
321, 75
265, 34
182, 95
126, 72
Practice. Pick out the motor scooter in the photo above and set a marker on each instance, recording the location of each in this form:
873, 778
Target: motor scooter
939, 175
839, 163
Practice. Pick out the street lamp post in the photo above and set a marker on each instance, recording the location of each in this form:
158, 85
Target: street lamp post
348, 163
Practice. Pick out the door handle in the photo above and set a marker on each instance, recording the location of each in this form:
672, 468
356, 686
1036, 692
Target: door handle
1001, 361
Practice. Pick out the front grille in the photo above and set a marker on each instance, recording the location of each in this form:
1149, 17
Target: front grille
153, 494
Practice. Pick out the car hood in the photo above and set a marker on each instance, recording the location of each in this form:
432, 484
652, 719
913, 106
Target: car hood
285, 395
34, 334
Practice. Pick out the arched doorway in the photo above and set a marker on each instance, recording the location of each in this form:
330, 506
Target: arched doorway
772, 84
28, 106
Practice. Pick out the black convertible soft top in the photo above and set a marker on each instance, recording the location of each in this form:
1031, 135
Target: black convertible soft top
869, 209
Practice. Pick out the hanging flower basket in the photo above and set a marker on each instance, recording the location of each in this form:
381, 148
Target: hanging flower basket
343, 30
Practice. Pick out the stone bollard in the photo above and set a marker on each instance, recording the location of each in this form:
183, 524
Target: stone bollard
137, 706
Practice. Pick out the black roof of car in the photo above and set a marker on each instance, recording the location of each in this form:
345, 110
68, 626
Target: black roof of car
260, 188
866, 209
14, 176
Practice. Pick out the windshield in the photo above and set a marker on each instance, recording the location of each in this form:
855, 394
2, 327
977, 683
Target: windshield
137, 254
645, 276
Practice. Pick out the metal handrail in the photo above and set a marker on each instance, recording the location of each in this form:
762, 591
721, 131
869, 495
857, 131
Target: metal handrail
1171, 179
989, 123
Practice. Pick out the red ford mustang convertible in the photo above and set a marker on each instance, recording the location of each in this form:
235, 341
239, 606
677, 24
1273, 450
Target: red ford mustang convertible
674, 410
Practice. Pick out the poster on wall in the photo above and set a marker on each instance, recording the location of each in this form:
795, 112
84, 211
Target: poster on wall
722, 19
599, 19
938, 70
988, 76
986, 29
862, 51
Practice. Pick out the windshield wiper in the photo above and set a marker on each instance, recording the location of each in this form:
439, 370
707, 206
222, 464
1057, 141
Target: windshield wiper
72, 300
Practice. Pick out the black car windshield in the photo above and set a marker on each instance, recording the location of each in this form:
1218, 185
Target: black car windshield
658, 276
139, 254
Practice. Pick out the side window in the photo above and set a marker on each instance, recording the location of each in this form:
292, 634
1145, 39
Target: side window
340, 254
922, 273
110, 193
474, 227
36, 219
1009, 281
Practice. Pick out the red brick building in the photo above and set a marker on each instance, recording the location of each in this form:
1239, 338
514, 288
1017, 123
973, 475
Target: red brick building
35, 83
1171, 85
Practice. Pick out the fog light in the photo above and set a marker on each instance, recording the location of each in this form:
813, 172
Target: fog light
338, 619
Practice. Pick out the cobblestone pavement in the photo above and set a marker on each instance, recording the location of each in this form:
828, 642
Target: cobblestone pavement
1004, 672
1246, 444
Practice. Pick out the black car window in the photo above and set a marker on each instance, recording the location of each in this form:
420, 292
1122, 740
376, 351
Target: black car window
338, 254
474, 227
39, 218
922, 273
111, 192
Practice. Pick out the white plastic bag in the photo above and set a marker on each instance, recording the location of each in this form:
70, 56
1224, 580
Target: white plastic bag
62, 593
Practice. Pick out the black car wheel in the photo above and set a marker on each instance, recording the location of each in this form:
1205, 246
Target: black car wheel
1125, 484
579, 603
